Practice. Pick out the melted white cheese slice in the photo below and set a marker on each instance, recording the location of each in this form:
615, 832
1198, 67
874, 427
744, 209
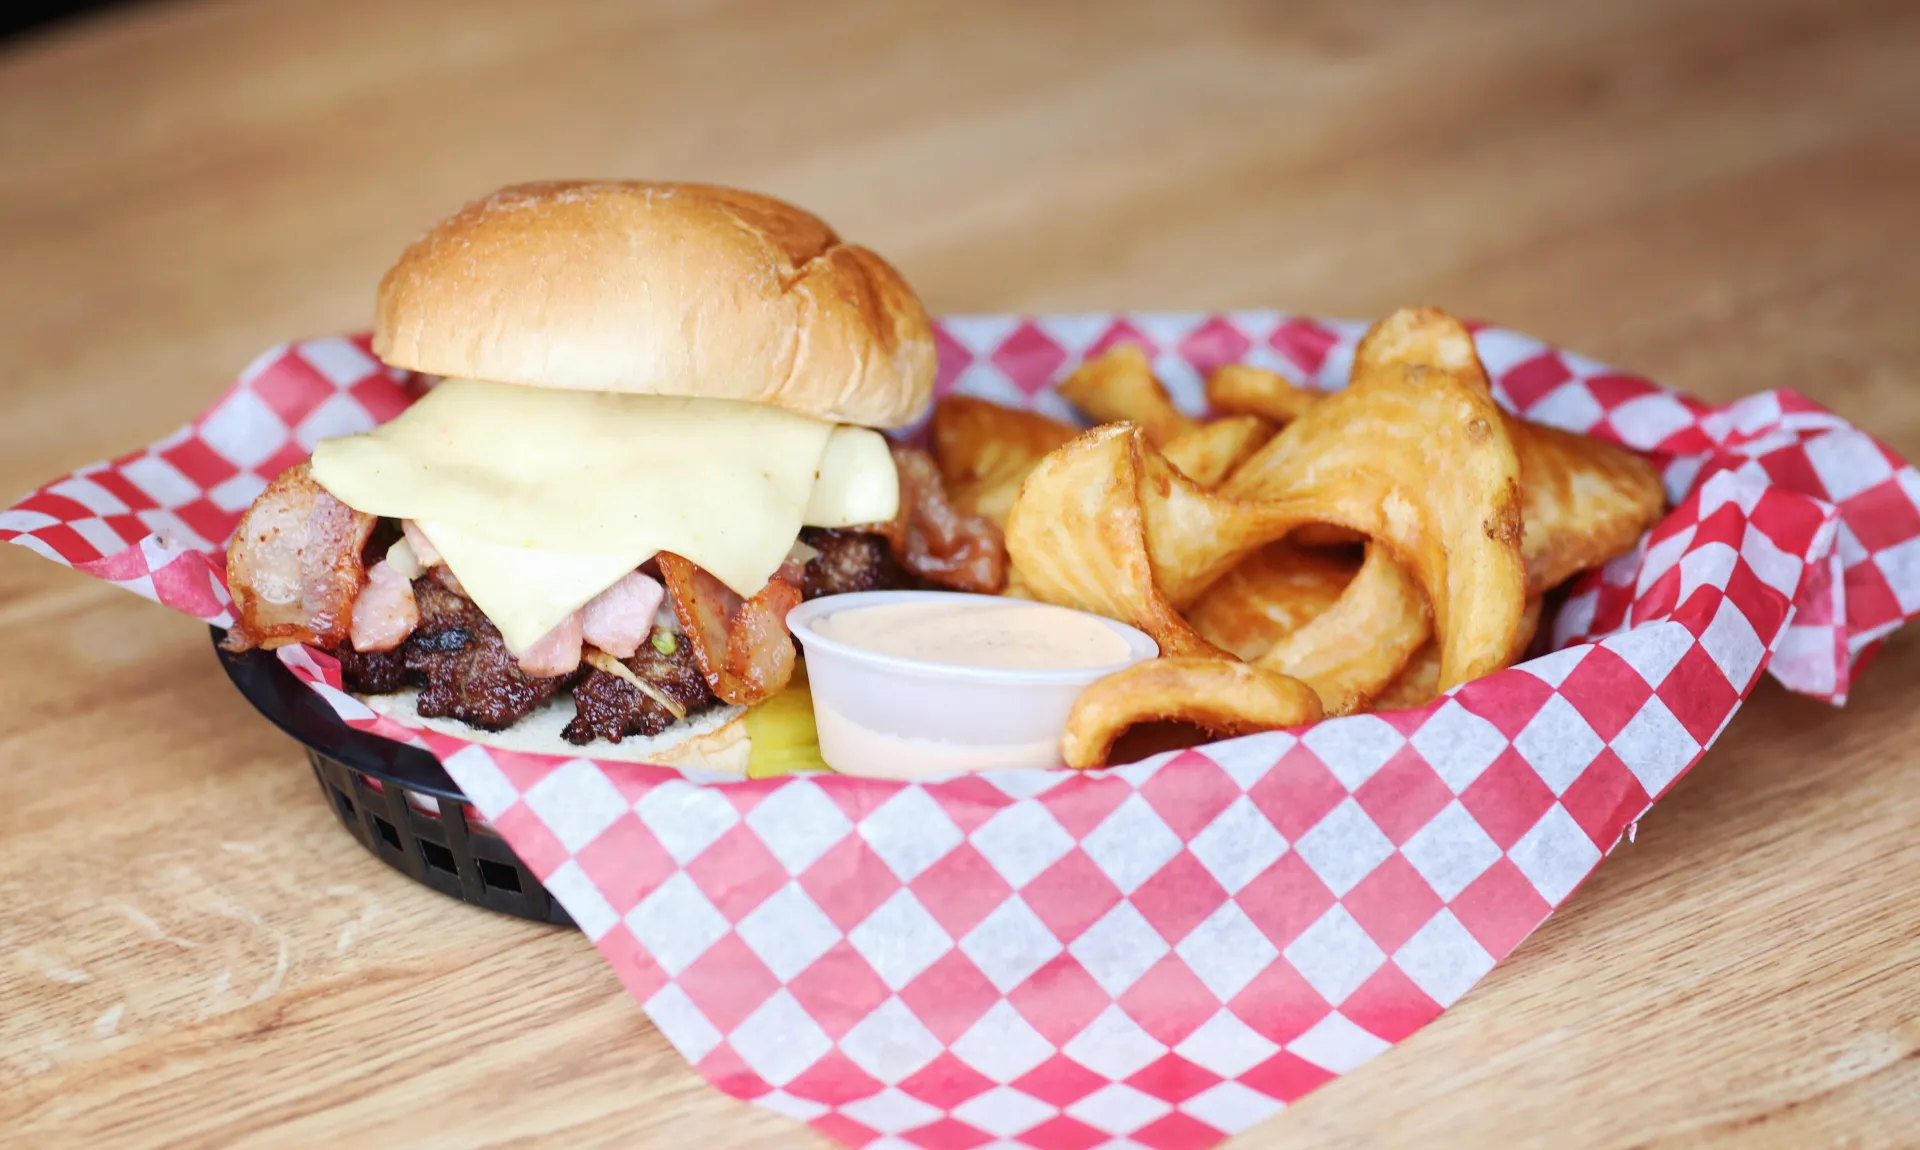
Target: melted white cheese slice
525, 591
539, 499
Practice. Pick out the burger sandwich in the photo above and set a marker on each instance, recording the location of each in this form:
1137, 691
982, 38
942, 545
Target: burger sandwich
652, 427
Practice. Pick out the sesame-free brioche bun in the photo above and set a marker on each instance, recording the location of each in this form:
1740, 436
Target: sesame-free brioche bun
660, 289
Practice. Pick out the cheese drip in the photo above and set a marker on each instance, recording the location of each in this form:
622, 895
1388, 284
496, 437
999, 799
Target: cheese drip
539, 499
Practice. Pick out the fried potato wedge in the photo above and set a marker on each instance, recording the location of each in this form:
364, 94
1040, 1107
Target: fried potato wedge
1351, 652
1104, 524
1077, 537
1199, 534
1210, 452
985, 450
1419, 683
1118, 386
1529, 627
1419, 459
1243, 389
1222, 697
1268, 596
1414, 458
1410, 335
1585, 501
1419, 335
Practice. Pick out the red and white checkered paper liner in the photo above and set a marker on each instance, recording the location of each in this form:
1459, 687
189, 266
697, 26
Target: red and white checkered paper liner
1160, 954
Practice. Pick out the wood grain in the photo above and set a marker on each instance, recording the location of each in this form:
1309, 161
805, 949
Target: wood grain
1716, 193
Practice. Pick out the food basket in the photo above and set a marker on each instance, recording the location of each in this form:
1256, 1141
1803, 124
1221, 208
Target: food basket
1159, 954
395, 800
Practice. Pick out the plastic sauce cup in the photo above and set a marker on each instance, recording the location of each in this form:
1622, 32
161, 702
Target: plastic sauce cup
889, 716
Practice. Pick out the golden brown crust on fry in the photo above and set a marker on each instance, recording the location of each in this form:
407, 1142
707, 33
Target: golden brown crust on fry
1243, 389
1195, 535
1529, 627
1268, 596
1418, 459
1078, 535
1210, 452
1221, 696
1419, 683
1118, 385
986, 450
1586, 501
1353, 651
1419, 335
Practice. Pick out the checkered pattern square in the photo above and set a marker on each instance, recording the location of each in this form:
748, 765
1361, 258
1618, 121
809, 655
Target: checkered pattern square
156, 521
1159, 954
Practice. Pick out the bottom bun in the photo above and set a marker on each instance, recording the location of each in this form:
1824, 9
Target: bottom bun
714, 740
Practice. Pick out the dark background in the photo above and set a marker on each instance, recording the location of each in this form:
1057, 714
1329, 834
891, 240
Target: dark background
22, 15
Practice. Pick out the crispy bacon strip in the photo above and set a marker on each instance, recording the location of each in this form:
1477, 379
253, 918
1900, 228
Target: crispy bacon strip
930, 538
294, 566
742, 646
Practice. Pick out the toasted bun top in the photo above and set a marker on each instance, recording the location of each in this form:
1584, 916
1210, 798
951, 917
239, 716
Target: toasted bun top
660, 289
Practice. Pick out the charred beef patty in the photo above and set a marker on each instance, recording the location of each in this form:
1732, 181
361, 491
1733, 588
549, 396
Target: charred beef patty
462, 665
372, 672
849, 561
608, 707
467, 671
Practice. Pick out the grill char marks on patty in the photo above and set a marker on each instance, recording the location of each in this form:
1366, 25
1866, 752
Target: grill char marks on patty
457, 657
608, 707
849, 561
372, 672
467, 671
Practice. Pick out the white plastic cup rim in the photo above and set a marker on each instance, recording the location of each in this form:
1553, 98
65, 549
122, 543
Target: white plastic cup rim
1140, 646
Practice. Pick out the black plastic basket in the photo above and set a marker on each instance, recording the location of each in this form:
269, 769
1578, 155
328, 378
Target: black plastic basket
395, 799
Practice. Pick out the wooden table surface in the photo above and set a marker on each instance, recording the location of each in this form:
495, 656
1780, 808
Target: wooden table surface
1719, 193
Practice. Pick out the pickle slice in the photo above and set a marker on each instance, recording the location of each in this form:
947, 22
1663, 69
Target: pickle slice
781, 732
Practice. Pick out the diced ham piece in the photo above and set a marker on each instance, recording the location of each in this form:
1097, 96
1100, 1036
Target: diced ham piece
619, 619
385, 613
556, 653
423, 548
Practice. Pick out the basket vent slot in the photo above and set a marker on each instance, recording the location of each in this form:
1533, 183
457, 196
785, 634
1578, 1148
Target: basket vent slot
437, 856
499, 876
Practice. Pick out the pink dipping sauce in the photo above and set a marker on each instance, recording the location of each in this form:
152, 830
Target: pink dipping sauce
1009, 633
